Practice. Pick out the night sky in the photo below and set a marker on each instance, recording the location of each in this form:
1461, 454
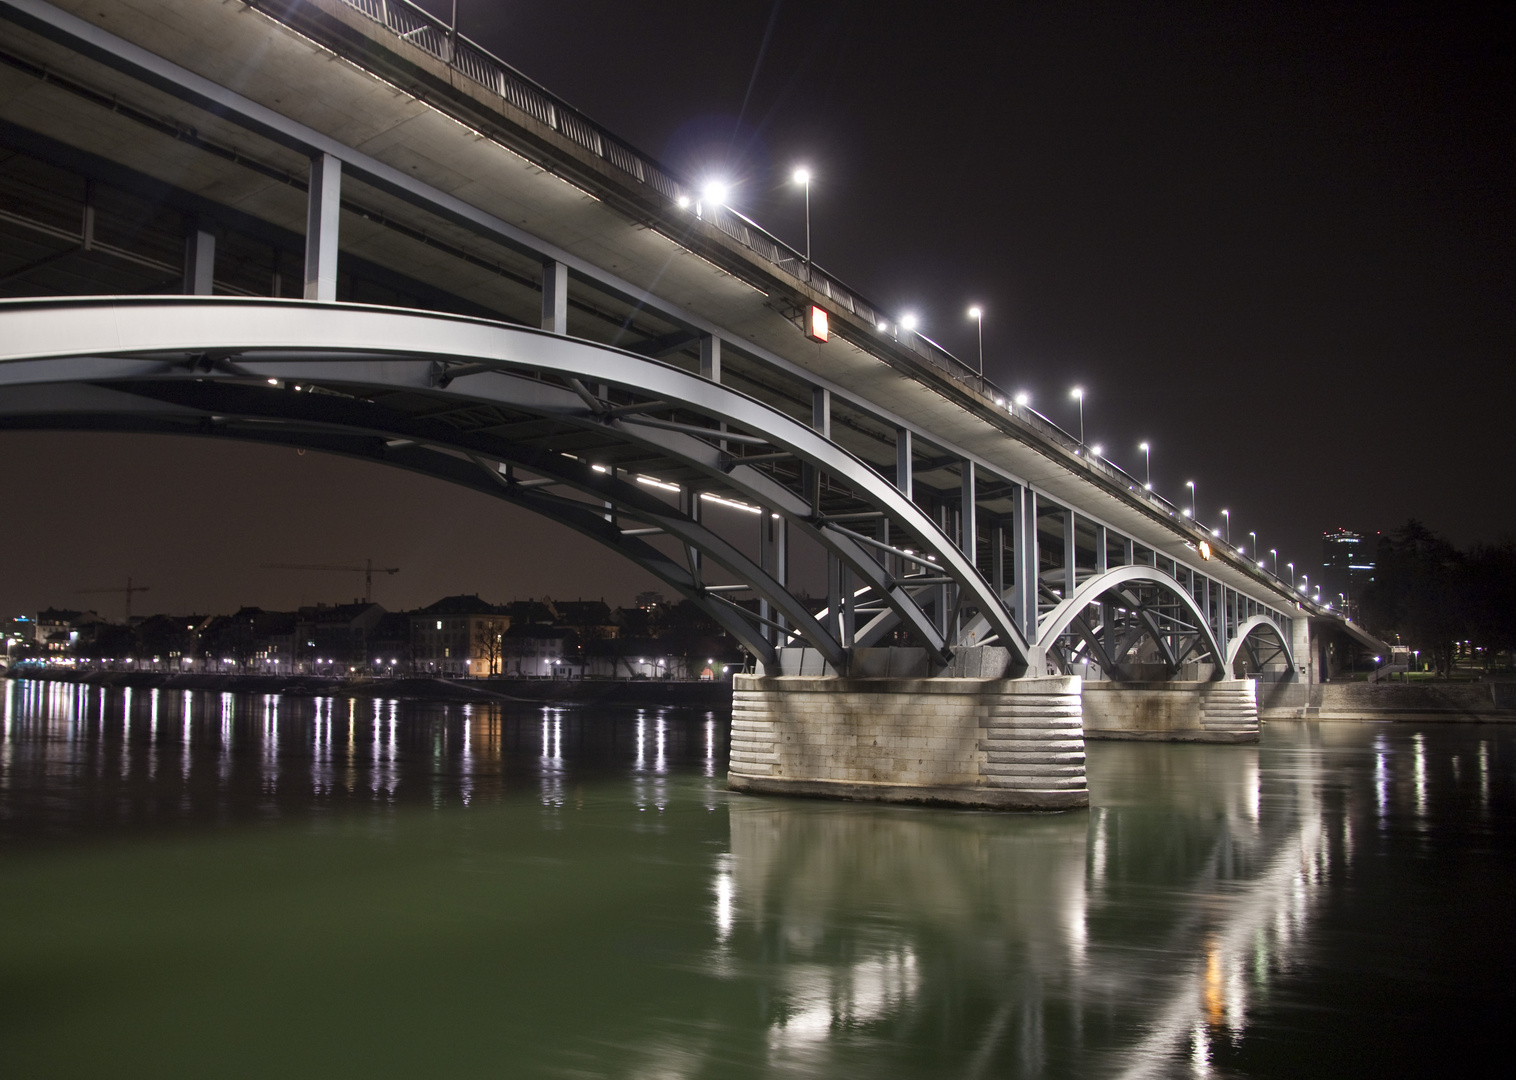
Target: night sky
1275, 240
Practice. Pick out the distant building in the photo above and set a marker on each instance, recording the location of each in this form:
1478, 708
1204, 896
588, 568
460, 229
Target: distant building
1347, 565
537, 650
459, 635
389, 645
333, 639
58, 628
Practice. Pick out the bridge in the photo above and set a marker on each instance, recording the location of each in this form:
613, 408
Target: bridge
339, 225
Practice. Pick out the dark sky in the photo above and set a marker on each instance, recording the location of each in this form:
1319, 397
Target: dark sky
1273, 239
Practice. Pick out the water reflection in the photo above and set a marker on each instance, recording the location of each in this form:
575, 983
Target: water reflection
1175, 929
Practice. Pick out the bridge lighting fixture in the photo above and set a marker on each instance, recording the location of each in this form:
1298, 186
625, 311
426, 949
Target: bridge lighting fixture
1078, 395
1204, 547
273, 382
1275, 553
1254, 537
908, 321
817, 327
1227, 515
1095, 450
1147, 458
1023, 399
683, 202
1292, 572
802, 176
977, 314
715, 192
1191, 485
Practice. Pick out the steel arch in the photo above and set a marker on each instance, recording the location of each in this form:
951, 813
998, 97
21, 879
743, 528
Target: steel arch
188, 359
1053, 624
1248, 630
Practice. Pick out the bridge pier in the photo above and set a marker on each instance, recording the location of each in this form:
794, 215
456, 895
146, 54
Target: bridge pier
1004, 744
1222, 711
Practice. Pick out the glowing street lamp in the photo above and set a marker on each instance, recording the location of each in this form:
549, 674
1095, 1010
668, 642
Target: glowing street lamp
1292, 573
1275, 553
1254, 537
908, 321
802, 176
1227, 517
1078, 395
1191, 485
977, 314
1147, 457
1024, 399
715, 192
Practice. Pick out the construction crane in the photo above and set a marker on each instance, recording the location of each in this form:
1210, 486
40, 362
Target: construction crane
130, 588
368, 570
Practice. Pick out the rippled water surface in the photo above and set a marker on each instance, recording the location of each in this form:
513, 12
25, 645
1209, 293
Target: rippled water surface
216, 885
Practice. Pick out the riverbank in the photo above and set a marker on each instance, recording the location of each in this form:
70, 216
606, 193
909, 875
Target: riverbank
1476, 702
701, 694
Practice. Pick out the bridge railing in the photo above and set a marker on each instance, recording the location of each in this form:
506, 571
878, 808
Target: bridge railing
430, 34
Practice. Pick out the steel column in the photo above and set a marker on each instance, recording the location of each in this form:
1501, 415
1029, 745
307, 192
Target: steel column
322, 209
710, 357
1024, 559
555, 296
199, 261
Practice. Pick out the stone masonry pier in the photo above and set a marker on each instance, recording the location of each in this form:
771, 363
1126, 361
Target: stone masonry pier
1224, 711
1007, 744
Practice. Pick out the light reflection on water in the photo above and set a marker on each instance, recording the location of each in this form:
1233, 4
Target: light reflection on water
574, 888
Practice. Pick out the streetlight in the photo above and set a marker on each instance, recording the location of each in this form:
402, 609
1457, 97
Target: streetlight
1191, 485
1147, 457
715, 193
1227, 516
1078, 395
1292, 573
802, 176
908, 321
1254, 537
1024, 399
977, 314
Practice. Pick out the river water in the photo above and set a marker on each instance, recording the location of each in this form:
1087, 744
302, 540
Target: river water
213, 885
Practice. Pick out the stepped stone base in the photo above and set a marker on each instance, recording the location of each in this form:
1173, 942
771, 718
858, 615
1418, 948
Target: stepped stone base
1225, 711
1009, 744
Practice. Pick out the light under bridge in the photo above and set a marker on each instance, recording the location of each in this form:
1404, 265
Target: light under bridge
395, 247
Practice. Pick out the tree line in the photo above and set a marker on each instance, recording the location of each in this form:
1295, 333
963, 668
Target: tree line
1433, 597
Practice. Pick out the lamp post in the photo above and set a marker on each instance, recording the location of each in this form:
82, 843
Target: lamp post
1191, 485
1227, 517
1078, 395
1147, 457
977, 314
1254, 537
1292, 574
802, 176
1275, 553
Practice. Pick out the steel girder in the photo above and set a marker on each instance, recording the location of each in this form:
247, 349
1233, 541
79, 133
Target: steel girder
206, 364
1245, 640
